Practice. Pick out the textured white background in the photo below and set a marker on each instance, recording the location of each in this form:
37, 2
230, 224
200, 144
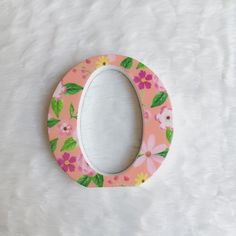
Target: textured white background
191, 45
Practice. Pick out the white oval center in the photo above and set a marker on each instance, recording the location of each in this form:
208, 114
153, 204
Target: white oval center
110, 122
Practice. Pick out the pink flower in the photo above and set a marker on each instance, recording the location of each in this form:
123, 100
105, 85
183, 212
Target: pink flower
65, 129
147, 114
84, 167
67, 163
149, 154
59, 91
158, 84
143, 80
165, 118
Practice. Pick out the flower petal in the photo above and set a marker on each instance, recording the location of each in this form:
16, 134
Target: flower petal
147, 85
158, 159
136, 79
150, 166
144, 148
66, 156
141, 85
159, 148
91, 173
149, 77
139, 161
64, 167
142, 73
163, 125
151, 142
157, 117
72, 159
71, 167
60, 161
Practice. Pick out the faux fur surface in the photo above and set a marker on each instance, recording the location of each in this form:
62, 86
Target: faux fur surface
191, 45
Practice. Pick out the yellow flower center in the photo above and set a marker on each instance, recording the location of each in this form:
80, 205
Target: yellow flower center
67, 162
143, 80
148, 154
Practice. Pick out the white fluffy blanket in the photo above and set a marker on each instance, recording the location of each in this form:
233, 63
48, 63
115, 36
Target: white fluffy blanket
190, 45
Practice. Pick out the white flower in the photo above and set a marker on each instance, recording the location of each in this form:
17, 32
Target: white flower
150, 153
165, 118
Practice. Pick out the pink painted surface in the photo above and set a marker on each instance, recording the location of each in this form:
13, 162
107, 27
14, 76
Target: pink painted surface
157, 129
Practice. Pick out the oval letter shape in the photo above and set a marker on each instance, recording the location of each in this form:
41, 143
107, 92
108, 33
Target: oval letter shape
64, 122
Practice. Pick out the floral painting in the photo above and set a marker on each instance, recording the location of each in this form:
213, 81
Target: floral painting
157, 126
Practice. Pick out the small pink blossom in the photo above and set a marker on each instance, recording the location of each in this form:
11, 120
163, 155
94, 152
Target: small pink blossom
126, 178
149, 154
158, 84
143, 80
165, 118
67, 163
59, 91
116, 177
147, 114
84, 167
65, 129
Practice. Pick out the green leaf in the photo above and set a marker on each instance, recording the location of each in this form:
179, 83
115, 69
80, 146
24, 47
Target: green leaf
52, 122
159, 99
69, 144
140, 65
164, 153
84, 180
72, 88
53, 144
98, 180
57, 106
127, 63
72, 112
169, 134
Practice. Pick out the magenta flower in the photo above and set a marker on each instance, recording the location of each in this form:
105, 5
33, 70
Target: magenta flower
150, 154
67, 163
143, 80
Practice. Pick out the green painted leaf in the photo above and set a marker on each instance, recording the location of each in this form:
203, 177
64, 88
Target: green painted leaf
127, 63
98, 180
69, 144
169, 134
164, 153
159, 99
52, 122
84, 180
53, 144
57, 106
72, 112
140, 65
72, 88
